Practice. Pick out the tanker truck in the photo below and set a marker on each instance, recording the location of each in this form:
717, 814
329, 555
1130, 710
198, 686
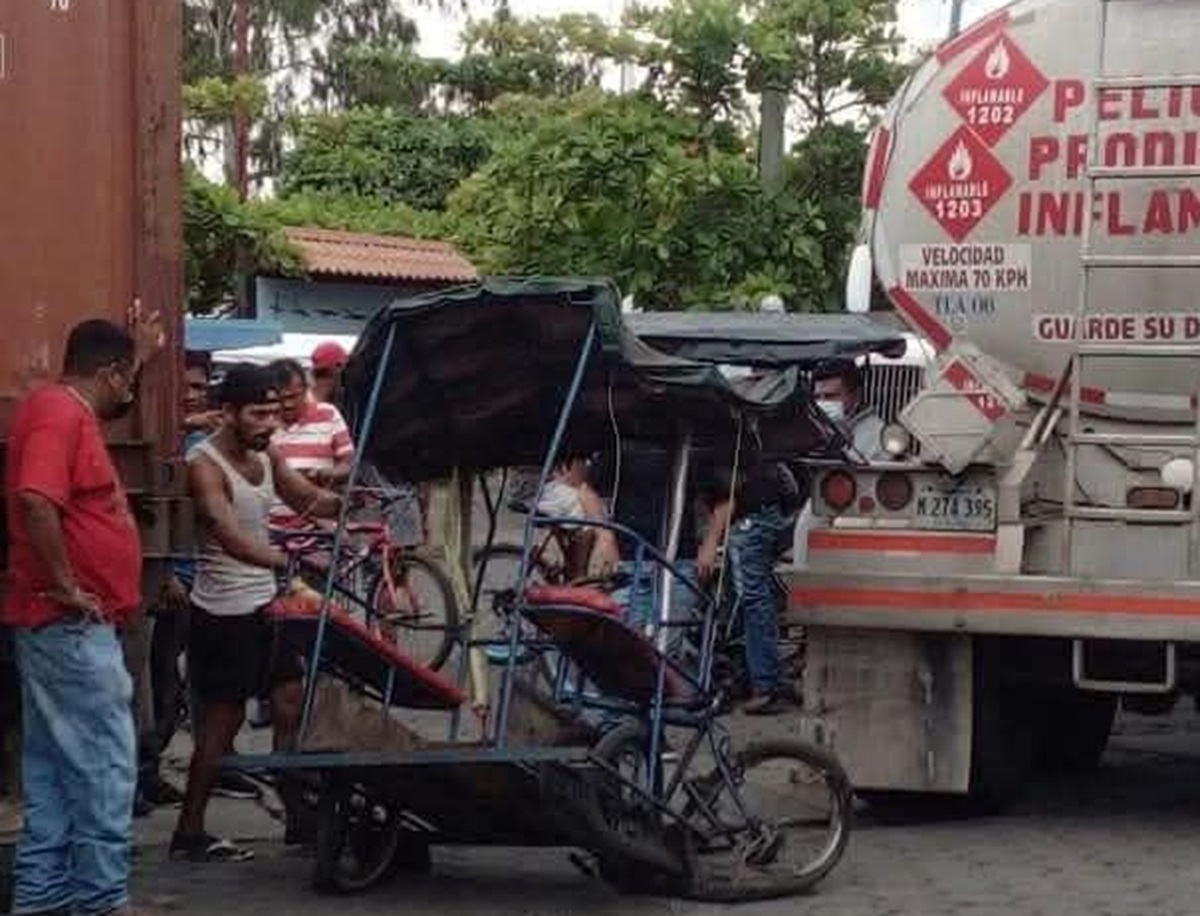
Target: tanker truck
1028, 559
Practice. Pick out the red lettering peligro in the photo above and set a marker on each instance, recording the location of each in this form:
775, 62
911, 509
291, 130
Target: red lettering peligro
1068, 95
1139, 110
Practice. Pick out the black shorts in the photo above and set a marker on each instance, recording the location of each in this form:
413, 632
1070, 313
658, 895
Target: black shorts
233, 658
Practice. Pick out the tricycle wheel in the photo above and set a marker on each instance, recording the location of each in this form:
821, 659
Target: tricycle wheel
632, 878
641, 857
358, 840
772, 823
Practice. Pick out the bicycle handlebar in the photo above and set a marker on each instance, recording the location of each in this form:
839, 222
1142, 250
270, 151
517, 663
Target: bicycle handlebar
386, 498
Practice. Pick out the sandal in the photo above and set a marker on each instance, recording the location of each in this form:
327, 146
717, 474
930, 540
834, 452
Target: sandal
207, 848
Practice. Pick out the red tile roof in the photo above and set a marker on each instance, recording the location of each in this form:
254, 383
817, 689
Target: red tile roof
385, 257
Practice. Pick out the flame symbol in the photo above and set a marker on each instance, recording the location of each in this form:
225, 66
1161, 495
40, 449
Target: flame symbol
998, 62
961, 164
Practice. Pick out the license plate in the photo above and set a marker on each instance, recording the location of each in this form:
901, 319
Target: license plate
969, 507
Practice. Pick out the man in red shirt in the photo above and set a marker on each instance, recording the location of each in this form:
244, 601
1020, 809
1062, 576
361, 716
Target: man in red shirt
75, 574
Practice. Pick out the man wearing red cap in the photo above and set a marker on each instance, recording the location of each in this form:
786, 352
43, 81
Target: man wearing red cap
328, 361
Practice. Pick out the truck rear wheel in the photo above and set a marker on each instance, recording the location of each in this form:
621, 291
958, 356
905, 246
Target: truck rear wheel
1003, 742
1075, 730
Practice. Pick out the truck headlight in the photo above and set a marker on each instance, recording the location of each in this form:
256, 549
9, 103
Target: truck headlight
895, 440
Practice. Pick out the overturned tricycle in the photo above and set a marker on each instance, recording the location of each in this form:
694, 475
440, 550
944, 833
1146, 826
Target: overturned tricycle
569, 714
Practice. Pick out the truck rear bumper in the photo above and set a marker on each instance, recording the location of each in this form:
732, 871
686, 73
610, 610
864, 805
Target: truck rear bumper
996, 604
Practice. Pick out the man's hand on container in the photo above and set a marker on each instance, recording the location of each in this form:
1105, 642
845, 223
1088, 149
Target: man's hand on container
148, 331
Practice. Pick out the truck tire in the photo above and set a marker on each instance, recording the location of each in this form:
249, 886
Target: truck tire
1075, 730
7, 853
1003, 741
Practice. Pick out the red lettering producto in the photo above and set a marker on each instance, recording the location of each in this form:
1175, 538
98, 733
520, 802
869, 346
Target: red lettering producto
1125, 149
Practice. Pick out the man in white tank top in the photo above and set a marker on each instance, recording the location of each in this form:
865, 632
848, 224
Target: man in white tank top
234, 479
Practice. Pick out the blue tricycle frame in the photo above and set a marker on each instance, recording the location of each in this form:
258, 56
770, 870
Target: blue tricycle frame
501, 374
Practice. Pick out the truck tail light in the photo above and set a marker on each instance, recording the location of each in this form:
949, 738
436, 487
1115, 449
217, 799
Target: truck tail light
894, 491
1152, 498
838, 489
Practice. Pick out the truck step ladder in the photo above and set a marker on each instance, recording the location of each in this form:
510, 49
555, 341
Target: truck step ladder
1091, 262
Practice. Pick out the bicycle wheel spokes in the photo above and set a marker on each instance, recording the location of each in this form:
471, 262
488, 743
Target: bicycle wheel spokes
416, 610
784, 814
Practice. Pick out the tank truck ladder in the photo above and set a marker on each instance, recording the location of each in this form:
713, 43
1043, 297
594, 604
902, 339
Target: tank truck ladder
1083, 350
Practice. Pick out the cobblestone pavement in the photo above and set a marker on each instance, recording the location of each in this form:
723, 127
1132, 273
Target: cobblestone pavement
1120, 842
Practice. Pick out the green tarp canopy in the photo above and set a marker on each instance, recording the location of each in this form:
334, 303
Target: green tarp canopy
477, 377
765, 339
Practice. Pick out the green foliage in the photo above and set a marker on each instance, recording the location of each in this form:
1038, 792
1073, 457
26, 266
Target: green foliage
518, 153
369, 76
838, 57
387, 156
551, 56
696, 54
213, 99
618, 186
349, 213
826, 169
216, 225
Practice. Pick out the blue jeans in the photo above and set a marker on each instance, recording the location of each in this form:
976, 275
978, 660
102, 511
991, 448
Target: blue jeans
640, 597
755, 545
79, 768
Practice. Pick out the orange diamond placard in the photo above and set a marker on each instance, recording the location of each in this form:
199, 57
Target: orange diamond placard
998, 86
961, 183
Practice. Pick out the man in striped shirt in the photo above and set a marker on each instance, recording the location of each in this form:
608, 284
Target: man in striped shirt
313, 438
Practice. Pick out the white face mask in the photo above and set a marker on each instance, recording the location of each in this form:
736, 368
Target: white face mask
834, 409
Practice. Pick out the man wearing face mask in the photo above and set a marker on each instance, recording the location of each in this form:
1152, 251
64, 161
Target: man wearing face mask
840, 397
75, 578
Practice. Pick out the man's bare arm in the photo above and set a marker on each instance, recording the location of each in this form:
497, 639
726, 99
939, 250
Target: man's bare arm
341, 471
206, 484
204, 422
43, 522
718, 528
331, 477
607, 551
303, 496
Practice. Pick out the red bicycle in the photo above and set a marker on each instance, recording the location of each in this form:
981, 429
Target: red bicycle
396, 591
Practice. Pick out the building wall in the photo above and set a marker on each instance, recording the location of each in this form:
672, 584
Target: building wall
324, 306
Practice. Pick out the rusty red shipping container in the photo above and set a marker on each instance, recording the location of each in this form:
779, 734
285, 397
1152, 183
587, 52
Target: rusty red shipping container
91, 199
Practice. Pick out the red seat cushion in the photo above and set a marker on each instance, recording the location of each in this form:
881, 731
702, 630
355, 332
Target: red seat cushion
579, 596
589, 627
351, 645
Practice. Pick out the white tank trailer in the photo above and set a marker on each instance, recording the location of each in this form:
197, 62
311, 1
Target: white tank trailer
1030, 559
